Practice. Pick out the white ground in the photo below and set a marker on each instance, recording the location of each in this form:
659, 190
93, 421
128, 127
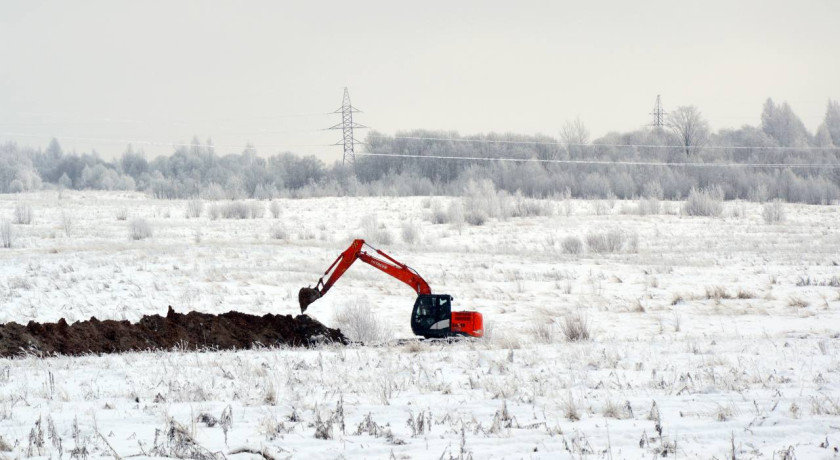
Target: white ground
673, 349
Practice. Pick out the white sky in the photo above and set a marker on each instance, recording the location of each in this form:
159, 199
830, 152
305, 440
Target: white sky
167, 70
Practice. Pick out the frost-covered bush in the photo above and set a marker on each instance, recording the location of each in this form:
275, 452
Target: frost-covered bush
475, 217
455, 214
236, 210
139, 229
649, 206
481, 201
410, 232
256, 209
373, 232
122, 214
23, 214
66, 223
279, 232
572, 245
529, 207
439, 214
607, 242
7, 235
274, 209
705, 202
359, 323
773, 212
194, 208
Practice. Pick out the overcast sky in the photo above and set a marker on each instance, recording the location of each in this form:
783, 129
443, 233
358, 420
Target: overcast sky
238, 71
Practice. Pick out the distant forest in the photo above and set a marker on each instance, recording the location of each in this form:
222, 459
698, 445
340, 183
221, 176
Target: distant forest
567, 165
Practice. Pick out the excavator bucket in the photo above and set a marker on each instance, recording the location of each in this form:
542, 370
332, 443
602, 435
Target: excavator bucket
306, 296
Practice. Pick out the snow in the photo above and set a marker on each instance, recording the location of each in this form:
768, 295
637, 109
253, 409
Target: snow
727, 326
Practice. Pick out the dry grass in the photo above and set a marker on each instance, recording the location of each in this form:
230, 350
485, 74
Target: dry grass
798, 302
575, 327
717, 293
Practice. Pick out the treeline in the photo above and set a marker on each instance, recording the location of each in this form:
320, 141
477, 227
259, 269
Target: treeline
432, 162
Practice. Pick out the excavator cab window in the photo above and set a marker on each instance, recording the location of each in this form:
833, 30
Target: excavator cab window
432, 315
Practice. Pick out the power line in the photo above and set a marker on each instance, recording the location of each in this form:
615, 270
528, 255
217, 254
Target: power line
654, 146
614, 163
106, 119
150, 143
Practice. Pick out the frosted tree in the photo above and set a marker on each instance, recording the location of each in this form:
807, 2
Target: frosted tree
687, 123
780, 123
832, 121
822, 138
575, 135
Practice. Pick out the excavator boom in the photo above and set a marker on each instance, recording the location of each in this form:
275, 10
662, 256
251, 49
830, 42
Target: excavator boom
386, 263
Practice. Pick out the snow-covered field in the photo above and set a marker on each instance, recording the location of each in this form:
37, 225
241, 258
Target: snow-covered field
710, 337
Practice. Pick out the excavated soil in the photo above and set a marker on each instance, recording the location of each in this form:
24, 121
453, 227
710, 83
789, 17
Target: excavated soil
193, 330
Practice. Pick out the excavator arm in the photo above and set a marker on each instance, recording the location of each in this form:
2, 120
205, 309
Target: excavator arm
377, 259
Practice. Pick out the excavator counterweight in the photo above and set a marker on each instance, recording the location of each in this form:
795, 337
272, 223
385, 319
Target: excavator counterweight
432, 315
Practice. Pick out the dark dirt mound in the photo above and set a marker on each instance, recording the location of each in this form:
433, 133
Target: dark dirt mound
194, 330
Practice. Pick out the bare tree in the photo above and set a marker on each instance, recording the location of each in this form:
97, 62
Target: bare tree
575, 135
688, 124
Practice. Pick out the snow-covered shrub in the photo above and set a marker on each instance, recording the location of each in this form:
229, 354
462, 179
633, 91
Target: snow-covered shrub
122, 214
572, 245
605, 243
214, 212
23, 214
66, 222
256, 210
705, 202
279, 232
455, 214
373, 232
194, 208
773, 212
7, 235
410, 232
235, 210
139, 229
649, 206
274, 209
475, 216
481, 202
529, 207
439, 214
359, 323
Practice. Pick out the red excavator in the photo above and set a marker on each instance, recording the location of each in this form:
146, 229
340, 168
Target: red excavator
432, 316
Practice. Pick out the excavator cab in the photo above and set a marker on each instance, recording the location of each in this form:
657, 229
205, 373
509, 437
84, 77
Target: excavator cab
432, 317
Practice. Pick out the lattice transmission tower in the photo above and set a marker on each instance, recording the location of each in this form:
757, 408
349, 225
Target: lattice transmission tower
346, 126
658, 114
